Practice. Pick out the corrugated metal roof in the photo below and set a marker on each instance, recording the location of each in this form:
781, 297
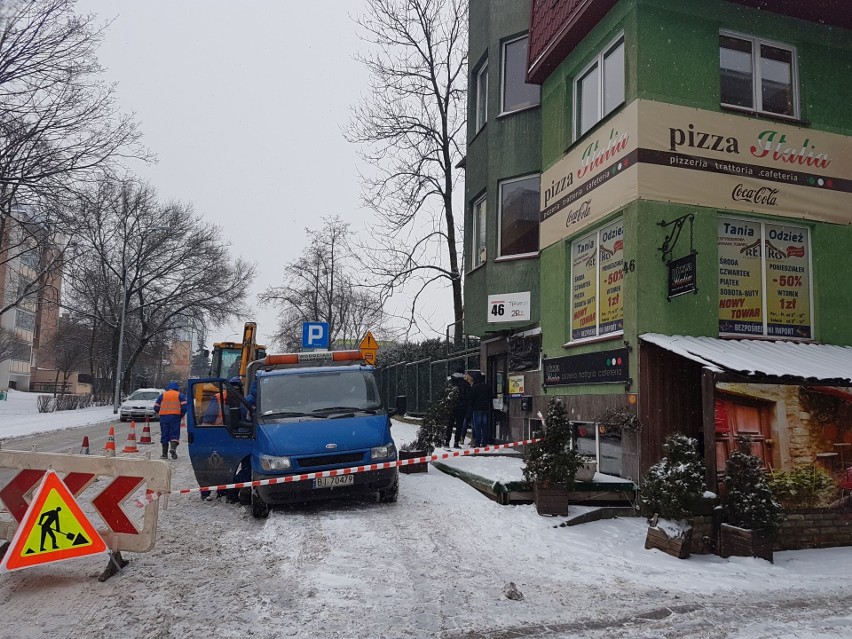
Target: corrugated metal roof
807, 361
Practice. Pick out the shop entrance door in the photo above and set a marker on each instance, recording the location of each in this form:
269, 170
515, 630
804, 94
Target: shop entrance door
498, 420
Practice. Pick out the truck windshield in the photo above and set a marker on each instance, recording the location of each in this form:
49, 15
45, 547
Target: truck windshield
309, 393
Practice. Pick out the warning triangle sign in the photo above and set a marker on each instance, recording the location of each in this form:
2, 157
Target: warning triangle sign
369, 342
53, 529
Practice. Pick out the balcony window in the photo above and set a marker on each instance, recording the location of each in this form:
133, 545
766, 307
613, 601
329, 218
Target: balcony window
519, 210
517, 94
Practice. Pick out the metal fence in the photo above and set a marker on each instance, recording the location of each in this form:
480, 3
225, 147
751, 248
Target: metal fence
412, 386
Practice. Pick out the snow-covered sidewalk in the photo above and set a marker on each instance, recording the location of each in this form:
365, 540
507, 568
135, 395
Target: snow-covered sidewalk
19, 416
434, 564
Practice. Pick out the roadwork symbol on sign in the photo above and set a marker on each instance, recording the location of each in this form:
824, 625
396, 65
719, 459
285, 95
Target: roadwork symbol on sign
53, 529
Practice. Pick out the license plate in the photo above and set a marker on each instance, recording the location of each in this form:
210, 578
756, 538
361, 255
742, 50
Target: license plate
334, 482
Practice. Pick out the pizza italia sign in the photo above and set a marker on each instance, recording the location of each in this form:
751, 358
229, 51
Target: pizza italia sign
692, 156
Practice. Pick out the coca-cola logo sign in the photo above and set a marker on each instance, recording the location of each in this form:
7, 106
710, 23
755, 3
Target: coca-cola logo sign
763, 195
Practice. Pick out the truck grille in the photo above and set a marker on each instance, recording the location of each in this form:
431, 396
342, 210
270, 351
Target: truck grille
330, 460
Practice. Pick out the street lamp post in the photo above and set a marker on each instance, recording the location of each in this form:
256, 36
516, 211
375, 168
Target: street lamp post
118, 371
115, 401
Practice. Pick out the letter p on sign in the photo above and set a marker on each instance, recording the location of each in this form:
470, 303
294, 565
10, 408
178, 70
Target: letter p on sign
315, 335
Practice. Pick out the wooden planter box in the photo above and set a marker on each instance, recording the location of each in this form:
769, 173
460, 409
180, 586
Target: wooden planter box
742, 542
678, 547
551, 499
413, 468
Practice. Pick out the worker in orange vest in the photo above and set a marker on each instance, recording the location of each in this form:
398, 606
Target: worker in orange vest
171, 406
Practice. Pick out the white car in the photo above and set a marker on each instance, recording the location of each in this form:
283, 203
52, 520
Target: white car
140, 404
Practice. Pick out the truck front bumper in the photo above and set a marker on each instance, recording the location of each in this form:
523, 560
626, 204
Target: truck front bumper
364, 483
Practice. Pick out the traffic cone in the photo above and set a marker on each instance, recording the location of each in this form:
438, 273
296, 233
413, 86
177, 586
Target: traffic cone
109, 449
84, 449
146, 434
130, 446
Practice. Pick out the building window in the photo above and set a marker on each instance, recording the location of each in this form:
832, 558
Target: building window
481, 96
757, 75
479, 227
517, 93
519, 204
599, 89
764, 279
597, 271
24, 320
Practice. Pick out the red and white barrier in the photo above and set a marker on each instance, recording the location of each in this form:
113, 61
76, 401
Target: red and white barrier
286, 479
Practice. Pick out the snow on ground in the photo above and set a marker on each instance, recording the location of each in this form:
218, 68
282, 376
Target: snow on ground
19, 416
434, 564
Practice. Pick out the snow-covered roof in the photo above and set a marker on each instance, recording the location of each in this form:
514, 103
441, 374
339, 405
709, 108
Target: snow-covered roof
802, 360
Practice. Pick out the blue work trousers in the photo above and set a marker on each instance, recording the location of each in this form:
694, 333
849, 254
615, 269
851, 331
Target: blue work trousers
169, 428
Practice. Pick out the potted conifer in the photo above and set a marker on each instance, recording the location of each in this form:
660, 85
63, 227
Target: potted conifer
672, 492
752, 516
432, 431
551, 464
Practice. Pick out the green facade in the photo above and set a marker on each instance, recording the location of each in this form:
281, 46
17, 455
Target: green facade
672, 56
507, 146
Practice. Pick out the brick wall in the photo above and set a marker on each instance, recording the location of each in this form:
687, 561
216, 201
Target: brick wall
815, 528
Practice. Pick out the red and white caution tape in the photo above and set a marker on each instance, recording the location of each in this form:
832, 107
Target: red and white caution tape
286, 479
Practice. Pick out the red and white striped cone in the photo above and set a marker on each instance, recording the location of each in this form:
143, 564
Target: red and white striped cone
130, 446
84, 449
146, 434
109, 449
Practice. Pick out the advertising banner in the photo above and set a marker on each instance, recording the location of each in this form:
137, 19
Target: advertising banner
787, 282
692, 156
740, 280
588, 368
612, 277
584, 286
592, 180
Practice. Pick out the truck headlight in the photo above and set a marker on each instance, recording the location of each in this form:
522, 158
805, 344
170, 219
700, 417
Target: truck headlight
268, 462
383, 452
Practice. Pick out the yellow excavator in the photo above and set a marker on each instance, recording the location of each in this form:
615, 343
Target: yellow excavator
231, 359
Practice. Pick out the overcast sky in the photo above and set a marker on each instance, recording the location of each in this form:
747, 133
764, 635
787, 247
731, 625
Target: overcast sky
243, 103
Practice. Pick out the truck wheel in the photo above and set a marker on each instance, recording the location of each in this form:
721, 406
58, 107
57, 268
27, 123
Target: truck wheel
389, 496
259, 508
245, 496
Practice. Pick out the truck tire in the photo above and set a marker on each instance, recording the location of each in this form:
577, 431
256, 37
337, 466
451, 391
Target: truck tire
245, 496
389, 496
259, 508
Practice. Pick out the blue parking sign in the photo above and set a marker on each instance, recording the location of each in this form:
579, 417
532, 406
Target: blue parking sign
315, 335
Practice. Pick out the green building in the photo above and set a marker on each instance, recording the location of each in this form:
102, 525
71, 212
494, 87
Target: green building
695, 196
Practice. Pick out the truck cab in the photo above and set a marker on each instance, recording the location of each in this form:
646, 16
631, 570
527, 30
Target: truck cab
301, 417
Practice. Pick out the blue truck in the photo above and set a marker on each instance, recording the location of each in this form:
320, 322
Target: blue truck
308, 412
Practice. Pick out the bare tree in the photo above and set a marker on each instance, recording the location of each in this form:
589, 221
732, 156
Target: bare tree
67, 350
318, 286
161, 266
11, 345
411, 129
59, 123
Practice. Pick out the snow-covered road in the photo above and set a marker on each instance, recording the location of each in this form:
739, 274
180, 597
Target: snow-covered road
434, 564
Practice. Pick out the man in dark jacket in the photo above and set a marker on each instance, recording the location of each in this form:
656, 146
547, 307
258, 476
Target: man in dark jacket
459, 413
480, 403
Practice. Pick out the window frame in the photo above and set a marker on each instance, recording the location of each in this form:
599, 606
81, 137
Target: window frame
757, 77
597, 61
500, 185
475, 226
764, 276
598, 336
503, 84
481, 105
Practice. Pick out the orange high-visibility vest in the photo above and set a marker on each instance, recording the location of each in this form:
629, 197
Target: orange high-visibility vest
171, 404
221, 399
